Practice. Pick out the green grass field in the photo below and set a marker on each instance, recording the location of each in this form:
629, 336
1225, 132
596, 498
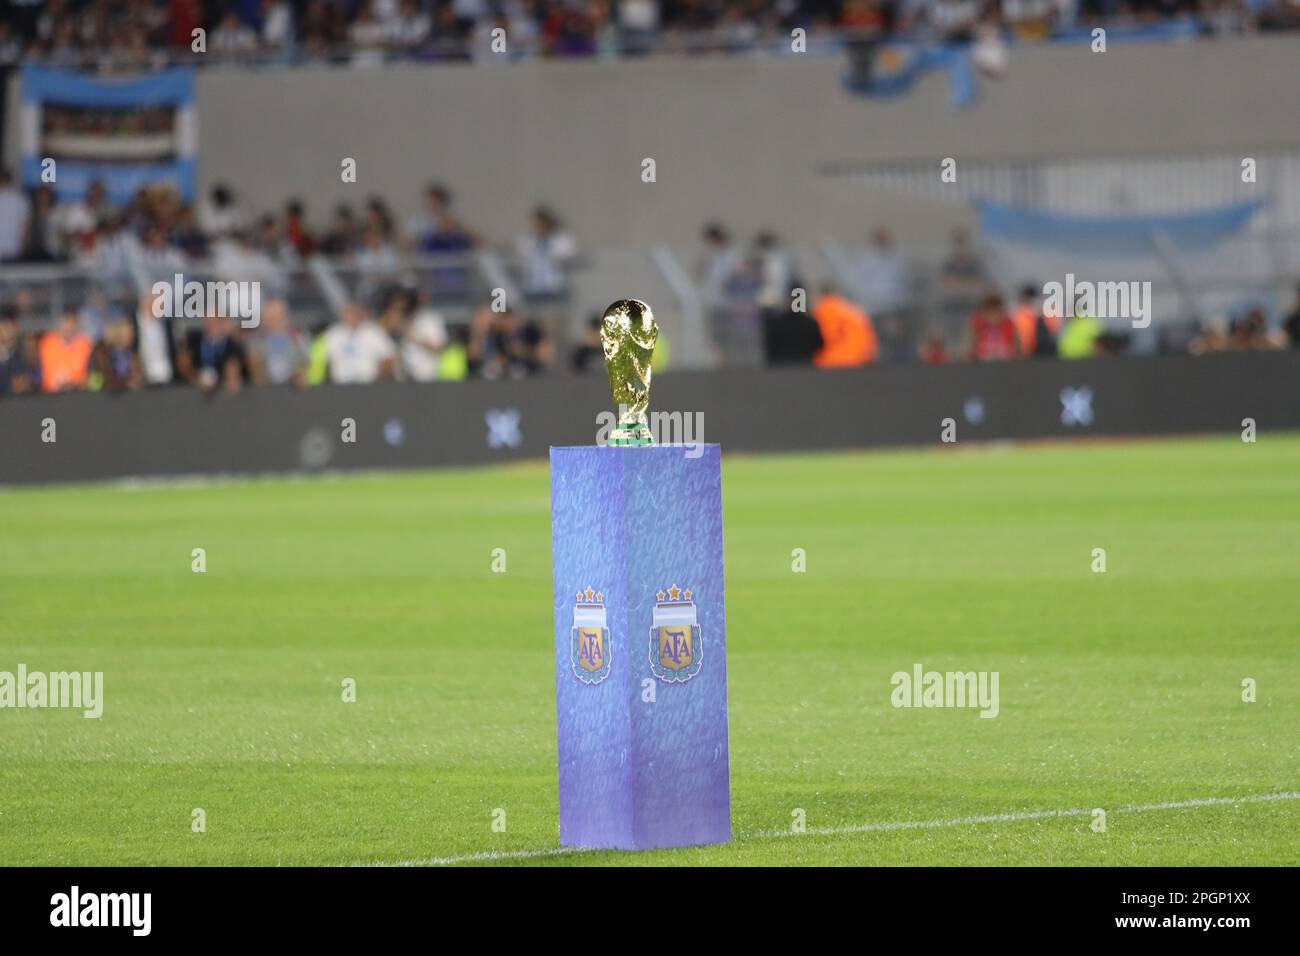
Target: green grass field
223, 689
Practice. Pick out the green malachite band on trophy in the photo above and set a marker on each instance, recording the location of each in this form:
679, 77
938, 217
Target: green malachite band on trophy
630, 436
627, 335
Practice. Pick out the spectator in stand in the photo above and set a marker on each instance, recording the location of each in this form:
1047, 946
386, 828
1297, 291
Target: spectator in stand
721, 276
232, 37
11, 47
962, 281
423, 340
65, 356
110, 250
157, 358
1211, 336
358, 351
866, 18
950, 21
277, 352
42, 241
277, 25
77, 220
1250, 332
589, 354
437, 200
213, 356
188, 237
933, 349
885, 280
501, 346
993, 335
24, 307
1037, 331
1029, 19
376, 262
1292, 324
235, 258
323, 27
295, 229
737, 28
569, 30
1025, 316
1079, 335
447, 238
158, 258
186, 16
379, 217
409, 28
962, 273
453, 366
444, 232
19, 366
637, 22
884, 275
848, 337
267, 240
545, 252
790, 336
222, 213
14, 212
775, 269
115, 364
719, 266
366, 35
341, 238
97, 311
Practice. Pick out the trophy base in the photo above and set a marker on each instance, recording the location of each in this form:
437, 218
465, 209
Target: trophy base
630, 436
640, 648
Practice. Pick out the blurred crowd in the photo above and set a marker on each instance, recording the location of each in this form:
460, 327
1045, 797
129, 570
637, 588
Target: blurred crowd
391, 324
138, 33
157, 228
761, 312
388, 329
406, 341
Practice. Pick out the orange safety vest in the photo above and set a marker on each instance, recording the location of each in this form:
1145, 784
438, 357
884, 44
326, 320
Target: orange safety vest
62, 362
848, 336
1026, 319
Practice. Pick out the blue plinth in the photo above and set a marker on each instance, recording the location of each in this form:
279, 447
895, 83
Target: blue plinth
640, 646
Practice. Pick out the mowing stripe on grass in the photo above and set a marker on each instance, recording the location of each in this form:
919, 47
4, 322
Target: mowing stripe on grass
497, 855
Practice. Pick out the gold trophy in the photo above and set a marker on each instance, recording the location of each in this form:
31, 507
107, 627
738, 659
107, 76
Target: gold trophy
628, 334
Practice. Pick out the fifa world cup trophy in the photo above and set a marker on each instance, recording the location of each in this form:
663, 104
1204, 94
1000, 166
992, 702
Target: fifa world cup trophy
628, 334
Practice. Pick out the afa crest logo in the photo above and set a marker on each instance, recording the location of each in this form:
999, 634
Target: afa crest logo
676, 645
590, 646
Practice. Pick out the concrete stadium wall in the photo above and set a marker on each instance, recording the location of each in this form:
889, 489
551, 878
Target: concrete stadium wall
740, 139
181, 432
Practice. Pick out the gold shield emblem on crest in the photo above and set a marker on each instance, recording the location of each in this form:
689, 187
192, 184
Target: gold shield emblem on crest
675, 646
591, 648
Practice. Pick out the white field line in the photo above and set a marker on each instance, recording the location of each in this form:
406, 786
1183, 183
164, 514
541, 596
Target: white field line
497, 855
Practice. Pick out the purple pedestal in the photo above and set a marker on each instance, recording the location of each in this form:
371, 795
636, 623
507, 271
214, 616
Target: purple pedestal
640, 646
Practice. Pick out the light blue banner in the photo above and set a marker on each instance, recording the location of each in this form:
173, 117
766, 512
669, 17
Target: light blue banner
44, 87
1188, 231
